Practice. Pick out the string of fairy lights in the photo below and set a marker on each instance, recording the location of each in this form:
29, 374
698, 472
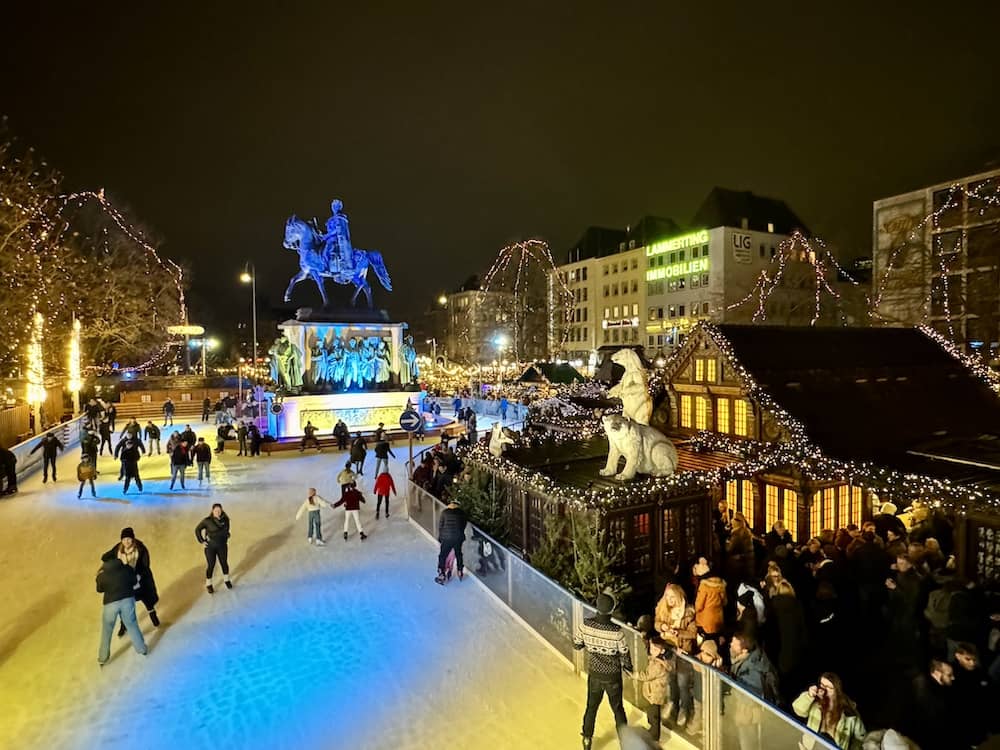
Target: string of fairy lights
44, 224
752, 457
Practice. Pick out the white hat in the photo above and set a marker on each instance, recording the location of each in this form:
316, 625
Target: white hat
888, 508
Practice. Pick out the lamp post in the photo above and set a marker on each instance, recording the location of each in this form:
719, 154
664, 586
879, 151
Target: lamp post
434, 343
249, 276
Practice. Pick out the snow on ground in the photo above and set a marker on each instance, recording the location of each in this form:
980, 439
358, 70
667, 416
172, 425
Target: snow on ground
348, 646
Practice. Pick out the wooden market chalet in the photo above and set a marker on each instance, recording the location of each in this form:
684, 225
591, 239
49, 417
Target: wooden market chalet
892, 400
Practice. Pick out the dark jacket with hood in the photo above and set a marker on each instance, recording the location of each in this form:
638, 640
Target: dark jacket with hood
216, 530
452, 524
146, 593
116, 581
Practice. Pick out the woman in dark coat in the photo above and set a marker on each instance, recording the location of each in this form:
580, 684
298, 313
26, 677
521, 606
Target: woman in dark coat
359, 450
135, 554
790, 638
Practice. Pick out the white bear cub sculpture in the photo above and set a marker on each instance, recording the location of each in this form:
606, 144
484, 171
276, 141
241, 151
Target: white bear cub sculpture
632, 388
499, 439
646, 449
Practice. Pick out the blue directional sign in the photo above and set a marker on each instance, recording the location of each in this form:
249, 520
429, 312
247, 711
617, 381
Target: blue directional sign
409, 420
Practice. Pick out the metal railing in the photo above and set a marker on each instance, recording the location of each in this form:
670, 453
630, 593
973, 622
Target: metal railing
516, 412
726, 716
28, 463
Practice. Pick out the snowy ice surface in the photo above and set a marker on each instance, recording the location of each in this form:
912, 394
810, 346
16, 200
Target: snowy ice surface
348, 646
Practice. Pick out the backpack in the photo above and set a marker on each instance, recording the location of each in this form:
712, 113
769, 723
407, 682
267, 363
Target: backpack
85, 471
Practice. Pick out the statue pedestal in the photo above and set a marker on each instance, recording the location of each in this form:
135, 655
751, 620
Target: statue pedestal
360, 411
304, 334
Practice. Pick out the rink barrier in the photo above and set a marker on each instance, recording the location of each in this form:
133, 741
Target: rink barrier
484, 407
730, 716
28, 463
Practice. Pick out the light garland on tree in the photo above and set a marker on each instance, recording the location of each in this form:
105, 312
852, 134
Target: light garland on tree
73, 363
36, 365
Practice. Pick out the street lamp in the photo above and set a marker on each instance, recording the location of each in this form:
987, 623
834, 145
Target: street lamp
443, 300
249, 276
434, 342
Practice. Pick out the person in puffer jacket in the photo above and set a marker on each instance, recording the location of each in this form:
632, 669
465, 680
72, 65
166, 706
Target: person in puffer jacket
654, 682
451, 534
384, 486
710, 600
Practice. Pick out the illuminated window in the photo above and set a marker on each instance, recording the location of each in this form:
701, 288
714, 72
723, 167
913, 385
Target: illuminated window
856, 505
732, 493
741, 418
710, 370
828, 521
770, 505
791, 512
699, 370
685, 411
816, 514
722, 415
747, 502
843, 506
701, 413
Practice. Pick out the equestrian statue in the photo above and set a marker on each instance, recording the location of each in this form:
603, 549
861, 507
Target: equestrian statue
330, 255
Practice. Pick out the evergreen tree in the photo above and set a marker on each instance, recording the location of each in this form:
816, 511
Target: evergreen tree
484, 506
595, 557
554, 556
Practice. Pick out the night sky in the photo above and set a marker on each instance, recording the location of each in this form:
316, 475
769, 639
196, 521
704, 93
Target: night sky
449, 131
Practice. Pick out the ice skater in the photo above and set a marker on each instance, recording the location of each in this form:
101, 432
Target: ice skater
351, 500
180, 459
168, 412
134, 553
312, 505
152, 435
359, 449
49, 444
451, 534
86, 470
128, 450
346, 477
607, 656
383, 487
213, 534
117, 581
382, 453
203, 456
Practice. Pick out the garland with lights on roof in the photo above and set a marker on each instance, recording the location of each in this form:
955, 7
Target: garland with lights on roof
975, 364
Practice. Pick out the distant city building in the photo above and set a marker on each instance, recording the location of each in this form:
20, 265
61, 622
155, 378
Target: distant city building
936, 259
660, 280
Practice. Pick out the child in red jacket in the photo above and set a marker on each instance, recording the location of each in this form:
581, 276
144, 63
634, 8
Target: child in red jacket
351, 500
383, 486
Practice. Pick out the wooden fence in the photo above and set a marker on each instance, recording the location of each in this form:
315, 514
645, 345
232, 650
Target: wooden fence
13, 424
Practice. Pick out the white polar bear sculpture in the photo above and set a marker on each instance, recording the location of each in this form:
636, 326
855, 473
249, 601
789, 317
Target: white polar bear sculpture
498, 439
646, 449
632, 389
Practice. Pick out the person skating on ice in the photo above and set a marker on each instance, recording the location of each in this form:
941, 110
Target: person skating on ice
49, 444
213, 534
312, 505
180, 459
359, 449
86, 471
134, 553
117, 581
451, 534
128, 450
607, 656
346, 477
351, 500
168, 412
382, 453
152, 435
203, 456
383, 487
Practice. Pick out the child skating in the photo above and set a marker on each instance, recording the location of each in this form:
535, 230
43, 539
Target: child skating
383, 487
312, 505
351, 500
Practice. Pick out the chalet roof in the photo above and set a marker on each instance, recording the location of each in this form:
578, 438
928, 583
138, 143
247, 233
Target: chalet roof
550, 372
867, 393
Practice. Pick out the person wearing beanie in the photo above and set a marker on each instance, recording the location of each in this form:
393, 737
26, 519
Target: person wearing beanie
346, 477
213, 534
128, 451
117, 581
607, 656
886, 520
654, 679
383, 487
135, 554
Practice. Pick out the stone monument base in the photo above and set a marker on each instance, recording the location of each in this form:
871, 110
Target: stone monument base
359, 410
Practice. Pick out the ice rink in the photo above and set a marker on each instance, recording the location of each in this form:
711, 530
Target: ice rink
348, 646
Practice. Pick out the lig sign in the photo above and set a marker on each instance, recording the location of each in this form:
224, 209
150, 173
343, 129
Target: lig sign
679, 243
699, 265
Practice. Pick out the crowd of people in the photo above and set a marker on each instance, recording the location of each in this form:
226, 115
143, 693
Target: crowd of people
857, 628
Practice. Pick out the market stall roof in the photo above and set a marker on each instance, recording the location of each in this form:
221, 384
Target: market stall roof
866, 394
550, 372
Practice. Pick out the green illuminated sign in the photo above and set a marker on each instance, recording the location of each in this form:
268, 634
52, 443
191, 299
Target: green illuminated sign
700, 265
679, 243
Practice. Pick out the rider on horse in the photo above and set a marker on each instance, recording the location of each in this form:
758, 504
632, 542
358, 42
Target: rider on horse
337, 250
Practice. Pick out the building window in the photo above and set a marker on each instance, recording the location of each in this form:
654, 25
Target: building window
614, 290
614, 336
680, 310
704, 279
652, 313
585, 316
792, 512
770, 505
607, 313
607, 335
635, 263
770, 227
828, 520
856, 505
584, 275
635, 286
671, 311
681, 281
709, 368
816, 515
704, 305
741, 416
635, 309
843, 506
685, 411
772, 252
584, 294
722, 415
739, 496
614, 268
607, 290
616, 311
695, 282
762, 250
699, 364
701, 413
652, 341
605, 270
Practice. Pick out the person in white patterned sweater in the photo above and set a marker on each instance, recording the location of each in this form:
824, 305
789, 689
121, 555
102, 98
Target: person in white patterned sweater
607, 656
